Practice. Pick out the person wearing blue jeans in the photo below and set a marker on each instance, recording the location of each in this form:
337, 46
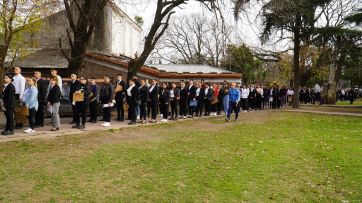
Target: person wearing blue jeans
234, 98
224, 97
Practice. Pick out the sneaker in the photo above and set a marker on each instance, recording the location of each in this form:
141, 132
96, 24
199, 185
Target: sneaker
107, 124
103, 124
28, 130
184, 117
227, 119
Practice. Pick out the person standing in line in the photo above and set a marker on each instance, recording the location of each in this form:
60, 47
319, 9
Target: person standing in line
154, 100
290, 94
252, 97
73, 86
31, 101
183, 100
82, 106
200, 97
144, 95
106, 96
244, 98
215, 100
54, 73
258, 97
54, 102
174, 101
191, 97
234, 97
133, 100
8, 96
19, 84
148, 85
120, 96
224, 94
164, 102
42, 86
220, 98
207, 99
93, 99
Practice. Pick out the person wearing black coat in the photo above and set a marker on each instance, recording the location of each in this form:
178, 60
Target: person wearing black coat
120, 96
183, 100
174, 101
93, 103
164, 102
144, 95
106, 97
133, 99
73, 86
252, 98
207, 99
200, 97
42, 86
82, 106
276, 97
154, 101
54, 102
191, 96
8, 96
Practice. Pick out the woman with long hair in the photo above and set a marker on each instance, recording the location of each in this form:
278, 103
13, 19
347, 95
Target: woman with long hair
30, 99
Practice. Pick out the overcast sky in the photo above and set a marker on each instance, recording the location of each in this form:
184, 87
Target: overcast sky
244, 30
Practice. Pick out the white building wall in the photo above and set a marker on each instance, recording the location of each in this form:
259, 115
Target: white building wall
126, 35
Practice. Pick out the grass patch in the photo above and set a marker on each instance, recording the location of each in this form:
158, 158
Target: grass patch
267, 156
357, 102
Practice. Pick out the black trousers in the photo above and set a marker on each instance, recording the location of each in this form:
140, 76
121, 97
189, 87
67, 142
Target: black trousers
120, 108
74, 110
219, 107
132, 112
18, 102
258, 101
207, 107
81, 112
244, 104
31, 118
93, 111
183, 108
191, 109
143, 111
107, 114
149, 109
9, 115
164, 110
39, 116
200, 107
154, 109
174, 108
252, 103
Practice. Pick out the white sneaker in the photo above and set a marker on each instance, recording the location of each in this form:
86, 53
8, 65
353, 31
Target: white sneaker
163, 120
32, 131
184, 117
103, 124
107, 124
27, 130
138, 117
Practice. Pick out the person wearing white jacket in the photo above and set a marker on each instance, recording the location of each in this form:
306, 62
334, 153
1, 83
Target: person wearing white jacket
244, 98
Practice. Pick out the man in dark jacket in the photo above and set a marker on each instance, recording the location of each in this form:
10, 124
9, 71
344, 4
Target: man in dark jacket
191, 96
73, 85
183, 100
120, 96
132, 98
153, 99
42, 86
9, 104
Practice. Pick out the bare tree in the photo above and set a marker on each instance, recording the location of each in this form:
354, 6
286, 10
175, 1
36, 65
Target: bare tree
82, 23
165, 9
194, 39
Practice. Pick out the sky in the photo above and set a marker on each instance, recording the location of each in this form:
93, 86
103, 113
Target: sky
246, 29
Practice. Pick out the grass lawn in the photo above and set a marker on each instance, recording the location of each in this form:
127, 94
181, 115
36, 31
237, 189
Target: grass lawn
355, 103
266, 156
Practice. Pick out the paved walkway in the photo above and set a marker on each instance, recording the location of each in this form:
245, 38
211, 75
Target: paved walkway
66, 129
325, 112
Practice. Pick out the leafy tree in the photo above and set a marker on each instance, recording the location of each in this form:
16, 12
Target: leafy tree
139, 20
240, 59
18, 19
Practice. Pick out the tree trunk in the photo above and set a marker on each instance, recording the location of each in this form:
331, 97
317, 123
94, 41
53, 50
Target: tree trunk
296, 60
332, 85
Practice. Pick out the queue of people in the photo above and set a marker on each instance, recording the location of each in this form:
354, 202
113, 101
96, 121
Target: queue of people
146, 100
